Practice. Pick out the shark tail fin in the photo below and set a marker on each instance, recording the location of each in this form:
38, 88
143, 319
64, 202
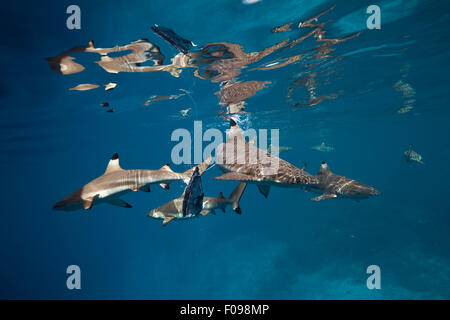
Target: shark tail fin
236, 196
202, 167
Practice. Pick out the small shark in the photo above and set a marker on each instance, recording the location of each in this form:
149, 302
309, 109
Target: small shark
334, 185
265, 171
176, 209
210, 204
323, 148
117, 181
411, 155
280, 149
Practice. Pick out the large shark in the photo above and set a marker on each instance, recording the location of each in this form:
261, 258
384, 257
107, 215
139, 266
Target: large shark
334, 185
116, 181
181, 208
243, 161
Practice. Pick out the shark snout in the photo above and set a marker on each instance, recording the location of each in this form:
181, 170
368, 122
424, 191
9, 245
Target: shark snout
372, 191
155, 214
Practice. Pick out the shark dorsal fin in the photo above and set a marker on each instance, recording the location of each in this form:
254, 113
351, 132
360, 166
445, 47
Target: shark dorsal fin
166, 167
410, 150
220, 195
324, 168
113, 164
234, 130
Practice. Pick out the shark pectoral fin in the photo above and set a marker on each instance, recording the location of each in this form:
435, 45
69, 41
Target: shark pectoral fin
235, 176
264, 189
324, 196
165, 186
167, 220
87, 203
145, 188
118, 202
205, 212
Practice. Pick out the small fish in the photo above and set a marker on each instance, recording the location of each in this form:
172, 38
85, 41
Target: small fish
85, 87
105, 104
155, 98
193, 196
185, 112
404, 109
323, 148
110, 86
411, 155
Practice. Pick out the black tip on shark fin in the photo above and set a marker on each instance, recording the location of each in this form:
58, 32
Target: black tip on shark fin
323, 162
232, 123
128, 205
238, 210
115, 156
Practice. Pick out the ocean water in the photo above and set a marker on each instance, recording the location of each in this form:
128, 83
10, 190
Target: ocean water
346, 94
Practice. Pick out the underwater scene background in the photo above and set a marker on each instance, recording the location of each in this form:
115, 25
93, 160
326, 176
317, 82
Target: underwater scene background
368, 97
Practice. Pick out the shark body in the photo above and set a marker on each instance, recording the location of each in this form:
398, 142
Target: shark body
176, 209
116, 181
236, 157
334, 185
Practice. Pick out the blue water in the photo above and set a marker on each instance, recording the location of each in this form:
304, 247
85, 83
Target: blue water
54, 141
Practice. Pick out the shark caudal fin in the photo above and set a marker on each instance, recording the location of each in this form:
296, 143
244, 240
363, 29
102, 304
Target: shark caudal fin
236, 196
187, 175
